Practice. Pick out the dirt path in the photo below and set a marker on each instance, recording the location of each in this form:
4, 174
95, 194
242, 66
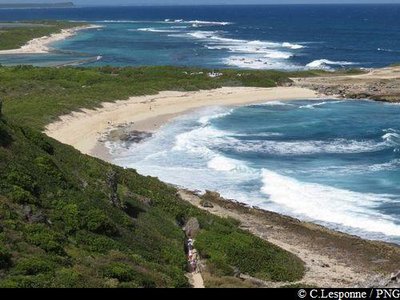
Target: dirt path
196, 280
331, 259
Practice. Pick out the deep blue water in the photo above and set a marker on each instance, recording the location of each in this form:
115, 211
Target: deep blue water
333, 162
279, 37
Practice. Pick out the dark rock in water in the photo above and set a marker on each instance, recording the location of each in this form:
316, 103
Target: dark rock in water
192, 227
135, 136
125, 135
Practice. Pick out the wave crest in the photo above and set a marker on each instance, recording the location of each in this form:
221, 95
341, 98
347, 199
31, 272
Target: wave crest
347, 208
326, 63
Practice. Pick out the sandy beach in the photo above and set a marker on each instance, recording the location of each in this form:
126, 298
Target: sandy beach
43, 44
331, 258
83, 129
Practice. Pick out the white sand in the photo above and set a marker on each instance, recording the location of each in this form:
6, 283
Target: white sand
42, 44
82, 129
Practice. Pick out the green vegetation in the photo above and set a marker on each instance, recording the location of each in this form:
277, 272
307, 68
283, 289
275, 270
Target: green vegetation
226, 247
14, 37
37, 96
70, 220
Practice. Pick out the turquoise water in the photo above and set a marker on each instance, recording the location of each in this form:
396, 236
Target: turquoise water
333, 162
253, 37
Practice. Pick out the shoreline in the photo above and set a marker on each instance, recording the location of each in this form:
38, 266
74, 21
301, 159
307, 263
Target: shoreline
84, 129
332, 258
41, 45
328, 254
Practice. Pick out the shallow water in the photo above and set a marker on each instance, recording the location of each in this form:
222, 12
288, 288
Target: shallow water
333, 162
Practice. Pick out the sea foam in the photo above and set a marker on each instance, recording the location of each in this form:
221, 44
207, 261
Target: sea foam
329, 204
326, 63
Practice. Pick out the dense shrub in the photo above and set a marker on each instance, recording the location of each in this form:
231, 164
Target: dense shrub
5, 258
70, 217
229, 248
98, 222
39, 140
21, 196
69, 278
120, 271
23, 180
96, 243
45, 238
33, 266
5, 138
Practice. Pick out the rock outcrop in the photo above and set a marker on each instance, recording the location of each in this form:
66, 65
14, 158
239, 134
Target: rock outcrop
192, 227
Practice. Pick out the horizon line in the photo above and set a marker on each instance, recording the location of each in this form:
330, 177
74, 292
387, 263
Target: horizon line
227, 4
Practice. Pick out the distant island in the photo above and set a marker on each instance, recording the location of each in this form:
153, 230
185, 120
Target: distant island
36, 5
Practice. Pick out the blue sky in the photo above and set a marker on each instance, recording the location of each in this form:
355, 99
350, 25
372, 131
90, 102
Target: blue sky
186, 2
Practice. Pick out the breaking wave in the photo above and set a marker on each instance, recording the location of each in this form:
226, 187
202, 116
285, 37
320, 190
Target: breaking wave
326, 64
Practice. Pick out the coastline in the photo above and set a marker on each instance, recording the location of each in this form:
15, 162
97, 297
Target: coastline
84, 129
331, 258
41, 45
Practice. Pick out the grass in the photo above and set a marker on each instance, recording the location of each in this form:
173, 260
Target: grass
15, 37
37, 96
70, 220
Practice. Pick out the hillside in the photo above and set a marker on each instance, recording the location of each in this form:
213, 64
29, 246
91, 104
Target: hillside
70, 220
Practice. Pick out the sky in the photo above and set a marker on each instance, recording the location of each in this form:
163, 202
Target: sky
187, 2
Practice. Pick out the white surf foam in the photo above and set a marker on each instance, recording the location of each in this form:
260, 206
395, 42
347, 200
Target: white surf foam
338, 146
258, 63
314, 105
222, 163
255, 54
121, 21
199, 22
348, 169
151, 29
391, 137
275, 103
328, 204
326, 63
216, 115
292, 46
190, 152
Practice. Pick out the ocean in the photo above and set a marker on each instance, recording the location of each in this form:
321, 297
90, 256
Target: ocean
336, 163
287, 37
333, 162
